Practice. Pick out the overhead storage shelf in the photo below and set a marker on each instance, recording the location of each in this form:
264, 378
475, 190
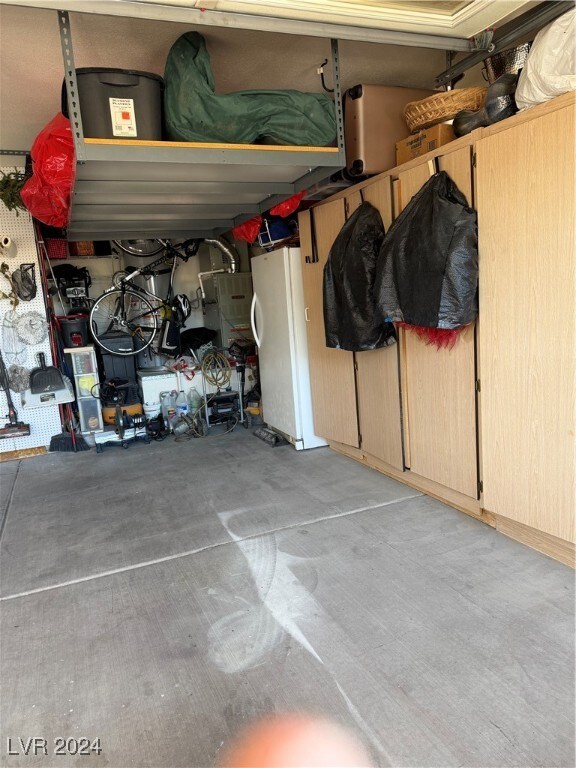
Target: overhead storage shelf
127, 189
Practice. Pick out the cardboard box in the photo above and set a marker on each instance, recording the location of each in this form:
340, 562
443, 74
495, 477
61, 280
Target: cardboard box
424, 141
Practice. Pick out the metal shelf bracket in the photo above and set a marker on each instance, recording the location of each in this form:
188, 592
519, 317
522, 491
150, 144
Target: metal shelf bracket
71, 85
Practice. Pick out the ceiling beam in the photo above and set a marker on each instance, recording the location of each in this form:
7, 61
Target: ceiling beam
221, 19
505, 37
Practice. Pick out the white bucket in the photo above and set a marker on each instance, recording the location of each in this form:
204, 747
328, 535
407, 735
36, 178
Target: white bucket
151, 410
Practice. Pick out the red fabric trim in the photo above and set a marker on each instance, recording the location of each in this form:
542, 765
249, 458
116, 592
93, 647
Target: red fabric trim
438, 337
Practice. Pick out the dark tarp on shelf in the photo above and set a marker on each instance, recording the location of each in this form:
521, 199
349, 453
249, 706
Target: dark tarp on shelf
428, 265
193, 112
351, 319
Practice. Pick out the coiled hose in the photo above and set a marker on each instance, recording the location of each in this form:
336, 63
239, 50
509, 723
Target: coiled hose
216, 369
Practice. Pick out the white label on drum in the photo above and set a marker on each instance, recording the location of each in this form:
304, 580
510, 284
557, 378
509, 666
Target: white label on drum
123, 117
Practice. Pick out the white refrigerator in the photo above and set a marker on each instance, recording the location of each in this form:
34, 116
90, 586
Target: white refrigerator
279, 327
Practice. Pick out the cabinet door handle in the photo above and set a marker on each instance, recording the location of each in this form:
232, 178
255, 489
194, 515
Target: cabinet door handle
306, 316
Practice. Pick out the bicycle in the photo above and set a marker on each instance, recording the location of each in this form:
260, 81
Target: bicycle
145, 248
128, 310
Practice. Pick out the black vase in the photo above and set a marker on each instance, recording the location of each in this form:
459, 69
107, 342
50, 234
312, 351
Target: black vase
498, 105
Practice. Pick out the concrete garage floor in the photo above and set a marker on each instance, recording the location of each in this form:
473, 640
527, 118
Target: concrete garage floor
161, 597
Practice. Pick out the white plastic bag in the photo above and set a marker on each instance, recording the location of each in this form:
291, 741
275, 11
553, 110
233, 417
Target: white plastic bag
550, 68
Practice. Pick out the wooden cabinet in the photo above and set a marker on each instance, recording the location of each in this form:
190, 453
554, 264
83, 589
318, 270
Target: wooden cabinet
417, 409
439, 386
431, 428
332, 380
355, 396
377, 374
526, 203
377, 371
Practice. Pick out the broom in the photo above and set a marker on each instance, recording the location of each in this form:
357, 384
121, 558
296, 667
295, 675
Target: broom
70, 440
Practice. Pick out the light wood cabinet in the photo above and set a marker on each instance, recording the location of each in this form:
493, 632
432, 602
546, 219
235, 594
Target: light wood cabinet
355, 396
526, 203
377, 374
439, 385
332, 379
502, 403
431, 428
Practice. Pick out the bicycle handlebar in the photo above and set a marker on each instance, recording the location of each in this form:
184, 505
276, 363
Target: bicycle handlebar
185, 250
190, 249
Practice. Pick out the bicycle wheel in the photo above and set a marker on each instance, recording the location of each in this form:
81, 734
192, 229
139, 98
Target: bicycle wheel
140, 247
123, 313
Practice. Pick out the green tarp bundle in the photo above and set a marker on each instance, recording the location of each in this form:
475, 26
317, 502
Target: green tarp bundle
193, 112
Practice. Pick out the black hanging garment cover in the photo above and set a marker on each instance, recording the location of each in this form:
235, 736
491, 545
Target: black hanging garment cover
427, 272
351, 320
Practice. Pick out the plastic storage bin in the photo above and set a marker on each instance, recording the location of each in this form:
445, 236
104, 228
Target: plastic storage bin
119, 103
74, 330
87, 388
90, 415
152, 383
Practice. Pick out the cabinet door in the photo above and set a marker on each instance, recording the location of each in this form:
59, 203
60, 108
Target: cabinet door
526, 203
439, 394
377, 379
331, 370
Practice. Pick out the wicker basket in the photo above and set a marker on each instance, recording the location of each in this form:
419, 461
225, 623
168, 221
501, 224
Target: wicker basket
81, 248
441, 107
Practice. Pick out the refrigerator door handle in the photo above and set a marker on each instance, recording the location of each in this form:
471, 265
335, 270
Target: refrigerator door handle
253, 320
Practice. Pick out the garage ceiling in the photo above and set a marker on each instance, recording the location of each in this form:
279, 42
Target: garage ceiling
138, 34
453, 18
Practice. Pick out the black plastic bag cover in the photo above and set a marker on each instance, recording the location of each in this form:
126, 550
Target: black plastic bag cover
351, 320
428, 265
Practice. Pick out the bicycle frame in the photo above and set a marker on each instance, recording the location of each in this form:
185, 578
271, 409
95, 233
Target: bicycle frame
173, 253
127, 281
126, 284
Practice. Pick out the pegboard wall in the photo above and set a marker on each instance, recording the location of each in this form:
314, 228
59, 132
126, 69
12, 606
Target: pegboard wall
44, 422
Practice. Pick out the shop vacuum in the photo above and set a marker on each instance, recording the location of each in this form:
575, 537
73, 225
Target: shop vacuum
13, 428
